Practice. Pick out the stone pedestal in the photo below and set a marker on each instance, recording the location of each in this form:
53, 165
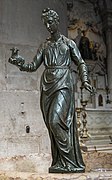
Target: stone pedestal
35, 167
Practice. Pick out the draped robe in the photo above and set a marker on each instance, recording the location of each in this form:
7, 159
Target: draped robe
57, 101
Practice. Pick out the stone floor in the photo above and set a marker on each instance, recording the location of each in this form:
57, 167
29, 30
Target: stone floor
35, 167
35, 176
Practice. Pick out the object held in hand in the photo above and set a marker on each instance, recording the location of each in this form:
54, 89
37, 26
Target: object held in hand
15, 58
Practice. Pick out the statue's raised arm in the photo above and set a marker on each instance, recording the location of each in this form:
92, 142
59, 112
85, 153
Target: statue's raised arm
19, 61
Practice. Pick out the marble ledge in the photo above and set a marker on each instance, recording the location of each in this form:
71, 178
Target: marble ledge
99, 110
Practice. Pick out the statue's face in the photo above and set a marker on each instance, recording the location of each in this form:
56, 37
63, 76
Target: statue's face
51, 24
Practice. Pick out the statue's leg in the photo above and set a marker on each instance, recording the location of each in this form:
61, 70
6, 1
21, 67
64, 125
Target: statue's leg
60, 123
58, 111
45, 102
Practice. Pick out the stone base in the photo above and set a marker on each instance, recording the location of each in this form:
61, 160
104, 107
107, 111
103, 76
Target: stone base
65, 171
35, 167
35, 176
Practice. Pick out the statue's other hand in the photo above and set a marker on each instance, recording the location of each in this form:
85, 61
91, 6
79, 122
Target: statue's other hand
88, 87
12, 61
17, 60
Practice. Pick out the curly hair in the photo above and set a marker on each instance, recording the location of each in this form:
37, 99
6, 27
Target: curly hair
46, 13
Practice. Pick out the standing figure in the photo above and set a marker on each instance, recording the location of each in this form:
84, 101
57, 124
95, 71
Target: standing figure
84, 47
57, 94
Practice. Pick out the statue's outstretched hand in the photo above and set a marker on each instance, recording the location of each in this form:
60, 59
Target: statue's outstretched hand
88, 87
15, 59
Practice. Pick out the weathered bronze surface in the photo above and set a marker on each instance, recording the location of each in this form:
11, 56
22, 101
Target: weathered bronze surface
57, 93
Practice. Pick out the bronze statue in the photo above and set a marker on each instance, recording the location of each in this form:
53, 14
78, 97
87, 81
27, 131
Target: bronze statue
57, 93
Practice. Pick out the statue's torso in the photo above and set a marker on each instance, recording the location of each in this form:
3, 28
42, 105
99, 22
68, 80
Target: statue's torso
57, 53
57, 62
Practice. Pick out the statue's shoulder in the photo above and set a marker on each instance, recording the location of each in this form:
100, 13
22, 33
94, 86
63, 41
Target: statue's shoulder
69, 42
66, 40
45, 44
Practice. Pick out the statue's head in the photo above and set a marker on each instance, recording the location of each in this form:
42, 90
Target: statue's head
84, 32
50, 19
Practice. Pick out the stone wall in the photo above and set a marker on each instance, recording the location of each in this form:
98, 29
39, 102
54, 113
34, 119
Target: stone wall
21, 26
20, 21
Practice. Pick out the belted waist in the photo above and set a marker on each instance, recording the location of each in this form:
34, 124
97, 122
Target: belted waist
57, 67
